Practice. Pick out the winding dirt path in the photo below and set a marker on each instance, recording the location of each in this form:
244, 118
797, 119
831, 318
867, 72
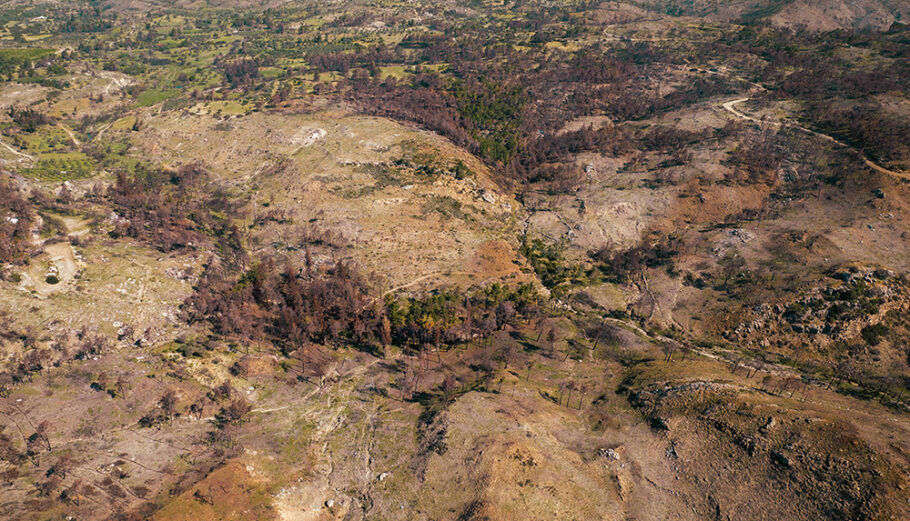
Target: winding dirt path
730, 106
422, 278
23, 155
412, 282
71, 135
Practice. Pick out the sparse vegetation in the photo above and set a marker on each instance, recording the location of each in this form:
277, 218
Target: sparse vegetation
483, 260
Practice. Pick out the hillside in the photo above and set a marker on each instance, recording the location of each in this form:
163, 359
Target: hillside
462, 261
813, 15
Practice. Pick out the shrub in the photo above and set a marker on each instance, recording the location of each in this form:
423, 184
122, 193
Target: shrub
873, 333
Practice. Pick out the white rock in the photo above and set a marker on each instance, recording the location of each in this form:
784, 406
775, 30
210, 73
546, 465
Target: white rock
609, 454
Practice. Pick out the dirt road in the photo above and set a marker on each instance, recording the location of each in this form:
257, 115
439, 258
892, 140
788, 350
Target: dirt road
25, 157
730, 106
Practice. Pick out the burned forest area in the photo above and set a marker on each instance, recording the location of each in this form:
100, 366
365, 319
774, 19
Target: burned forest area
286, 260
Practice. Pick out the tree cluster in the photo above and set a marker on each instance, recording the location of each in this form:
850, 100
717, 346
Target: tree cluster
16, 219
292, 307
296, 308
631, 263
866, 126
35, 357
344, 62
447, 317
173, 210
543, 158
241, 73
28, 120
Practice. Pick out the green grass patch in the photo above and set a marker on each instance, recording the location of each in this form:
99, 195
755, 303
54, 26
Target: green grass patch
394, 71
229, 108
154, 96
22, 55
384, 176
271, 72
57, 167
45, 139
293, 448
443, 205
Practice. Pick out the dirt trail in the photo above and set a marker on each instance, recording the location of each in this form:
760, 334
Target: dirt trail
720, 354
103, 129
437, 273
117, 82
18, 153
422, 278
71, 135
730, 106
